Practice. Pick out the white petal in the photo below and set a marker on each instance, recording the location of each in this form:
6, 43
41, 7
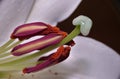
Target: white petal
16, 12
12, 13
53, 11
89, 59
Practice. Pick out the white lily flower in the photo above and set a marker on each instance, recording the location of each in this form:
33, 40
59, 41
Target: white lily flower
89, 59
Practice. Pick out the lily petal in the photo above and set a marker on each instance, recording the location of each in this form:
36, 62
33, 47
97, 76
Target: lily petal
53, 11
12, 14
35, 11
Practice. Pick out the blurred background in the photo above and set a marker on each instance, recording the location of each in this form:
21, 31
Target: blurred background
106, 21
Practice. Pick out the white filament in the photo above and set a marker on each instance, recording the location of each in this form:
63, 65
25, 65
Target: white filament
85, 23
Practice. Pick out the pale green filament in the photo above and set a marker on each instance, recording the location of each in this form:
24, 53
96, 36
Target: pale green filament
3, 50
4, 75
7, 44
8, 74
5, 54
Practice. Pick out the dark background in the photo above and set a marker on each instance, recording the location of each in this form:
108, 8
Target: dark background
106, 21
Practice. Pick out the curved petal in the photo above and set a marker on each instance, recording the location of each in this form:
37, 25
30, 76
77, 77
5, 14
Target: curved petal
53, 11
20, 11
89, 59
12, 13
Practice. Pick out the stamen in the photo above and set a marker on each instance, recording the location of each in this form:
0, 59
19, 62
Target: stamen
53, 38
28, 30
68, 38
61, 54
38, 44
